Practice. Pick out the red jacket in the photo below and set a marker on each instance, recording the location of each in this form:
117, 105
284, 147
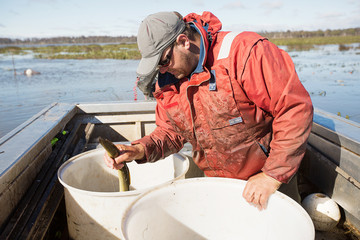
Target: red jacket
246, 111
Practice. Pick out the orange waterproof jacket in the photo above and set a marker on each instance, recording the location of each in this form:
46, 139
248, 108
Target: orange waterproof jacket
244, 111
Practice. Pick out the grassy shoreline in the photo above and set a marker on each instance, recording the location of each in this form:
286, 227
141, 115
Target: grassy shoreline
91, 51
130, 51
298, 44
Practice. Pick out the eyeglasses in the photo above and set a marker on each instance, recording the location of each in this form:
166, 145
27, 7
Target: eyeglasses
166, 61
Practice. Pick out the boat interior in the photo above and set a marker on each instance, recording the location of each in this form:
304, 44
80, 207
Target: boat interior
32, 198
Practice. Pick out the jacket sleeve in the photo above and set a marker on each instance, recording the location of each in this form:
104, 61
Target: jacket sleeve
163, 141
271, 82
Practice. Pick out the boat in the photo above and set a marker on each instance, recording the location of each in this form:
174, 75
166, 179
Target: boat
32, 198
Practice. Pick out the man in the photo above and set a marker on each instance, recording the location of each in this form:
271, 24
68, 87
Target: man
235, 97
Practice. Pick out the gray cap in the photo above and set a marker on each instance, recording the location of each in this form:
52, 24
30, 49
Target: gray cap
156, 32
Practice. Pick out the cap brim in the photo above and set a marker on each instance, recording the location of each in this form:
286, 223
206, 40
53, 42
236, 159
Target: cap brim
148, 65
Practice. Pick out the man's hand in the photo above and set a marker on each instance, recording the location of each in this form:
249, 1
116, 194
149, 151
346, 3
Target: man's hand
127, 154
259, 188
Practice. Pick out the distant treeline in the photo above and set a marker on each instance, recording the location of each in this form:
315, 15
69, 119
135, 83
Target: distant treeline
69, 40
312, 34
132, 39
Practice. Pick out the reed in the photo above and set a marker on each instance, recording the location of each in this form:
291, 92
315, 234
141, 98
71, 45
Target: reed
94, 51
305, 44
112, 51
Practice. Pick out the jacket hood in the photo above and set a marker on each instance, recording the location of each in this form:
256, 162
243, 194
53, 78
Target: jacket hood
207, 20
207, 24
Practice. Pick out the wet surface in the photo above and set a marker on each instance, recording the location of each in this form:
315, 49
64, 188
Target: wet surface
70, 81
331, 76
335, 234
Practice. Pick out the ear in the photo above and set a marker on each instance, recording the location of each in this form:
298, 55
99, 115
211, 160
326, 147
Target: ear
183, 41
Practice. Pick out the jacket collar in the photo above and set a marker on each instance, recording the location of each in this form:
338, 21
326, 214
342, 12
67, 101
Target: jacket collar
204, 44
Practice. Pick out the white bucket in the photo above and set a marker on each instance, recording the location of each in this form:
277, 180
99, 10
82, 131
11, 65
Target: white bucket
212, 208
94, 204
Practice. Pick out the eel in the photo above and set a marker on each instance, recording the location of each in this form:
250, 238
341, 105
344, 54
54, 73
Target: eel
124, 173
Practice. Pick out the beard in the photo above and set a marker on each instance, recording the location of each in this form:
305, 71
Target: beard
187, 66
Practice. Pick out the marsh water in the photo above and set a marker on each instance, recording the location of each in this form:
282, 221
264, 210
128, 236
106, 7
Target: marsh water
331, 76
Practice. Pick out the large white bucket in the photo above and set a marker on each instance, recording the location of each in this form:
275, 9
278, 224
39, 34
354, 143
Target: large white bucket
212, 208
93, 202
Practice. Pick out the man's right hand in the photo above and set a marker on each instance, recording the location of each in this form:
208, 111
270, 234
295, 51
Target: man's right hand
127, 154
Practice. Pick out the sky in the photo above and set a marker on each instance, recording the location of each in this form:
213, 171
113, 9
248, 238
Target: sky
54, 18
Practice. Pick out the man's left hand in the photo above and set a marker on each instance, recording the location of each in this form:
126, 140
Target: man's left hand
259, 188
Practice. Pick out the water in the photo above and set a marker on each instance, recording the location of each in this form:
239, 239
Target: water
70, 81
332, 78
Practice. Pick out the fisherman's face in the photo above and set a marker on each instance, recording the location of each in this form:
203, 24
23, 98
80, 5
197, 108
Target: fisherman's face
177, 59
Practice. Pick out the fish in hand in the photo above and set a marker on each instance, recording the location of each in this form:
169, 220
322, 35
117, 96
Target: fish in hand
124, 173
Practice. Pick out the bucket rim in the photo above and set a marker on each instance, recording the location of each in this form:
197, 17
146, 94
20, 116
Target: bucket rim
115, 194
277, 194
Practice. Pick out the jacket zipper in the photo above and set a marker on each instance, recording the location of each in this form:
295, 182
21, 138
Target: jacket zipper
193, 123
